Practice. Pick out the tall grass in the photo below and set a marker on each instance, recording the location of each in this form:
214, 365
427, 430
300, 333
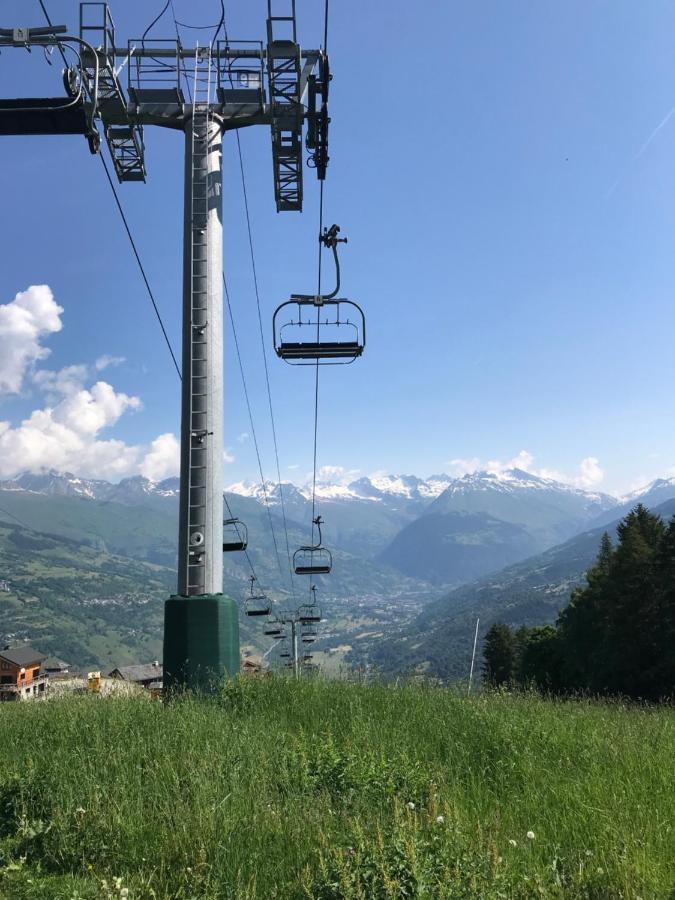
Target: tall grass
322, 790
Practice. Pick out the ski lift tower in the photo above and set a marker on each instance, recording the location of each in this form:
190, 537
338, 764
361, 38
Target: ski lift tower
229, 85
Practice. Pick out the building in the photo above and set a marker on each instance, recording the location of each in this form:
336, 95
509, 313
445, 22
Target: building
54, 667
21, 674
5, 586
252, 666
144, 675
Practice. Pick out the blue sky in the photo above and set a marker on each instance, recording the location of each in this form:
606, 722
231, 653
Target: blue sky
510, 230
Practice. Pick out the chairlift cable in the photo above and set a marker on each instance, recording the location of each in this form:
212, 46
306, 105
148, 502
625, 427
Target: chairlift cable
124, 220
50, 23
250, 419
318, 311
140, 264
12, 516
262, 343
221, 24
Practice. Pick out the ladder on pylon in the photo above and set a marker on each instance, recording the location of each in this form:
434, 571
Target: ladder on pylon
199, 333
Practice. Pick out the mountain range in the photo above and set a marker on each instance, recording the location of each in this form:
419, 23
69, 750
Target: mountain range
400, 542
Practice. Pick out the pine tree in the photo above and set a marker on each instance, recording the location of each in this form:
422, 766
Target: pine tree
583, 627
499, 655
633, 613
541, 661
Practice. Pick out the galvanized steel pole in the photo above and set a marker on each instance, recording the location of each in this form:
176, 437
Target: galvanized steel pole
201, 626
200, 542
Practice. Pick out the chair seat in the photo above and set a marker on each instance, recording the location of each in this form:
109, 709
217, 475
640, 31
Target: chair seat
319, 350
233, 545
312, 570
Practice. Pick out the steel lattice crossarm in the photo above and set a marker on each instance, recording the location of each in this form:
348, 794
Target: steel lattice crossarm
252, 84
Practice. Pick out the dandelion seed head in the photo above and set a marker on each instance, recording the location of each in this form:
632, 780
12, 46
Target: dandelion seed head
513, 843
440, 820
530, 835
410, 805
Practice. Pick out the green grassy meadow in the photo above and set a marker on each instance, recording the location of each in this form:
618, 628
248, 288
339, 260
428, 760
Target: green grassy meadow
327, 790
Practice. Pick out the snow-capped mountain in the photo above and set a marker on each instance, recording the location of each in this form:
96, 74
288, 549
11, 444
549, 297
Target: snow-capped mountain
130, 491
511, 483
375, 489
486, 520
653, 493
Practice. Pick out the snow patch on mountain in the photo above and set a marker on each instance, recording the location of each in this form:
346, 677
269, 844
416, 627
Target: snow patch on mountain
659, 484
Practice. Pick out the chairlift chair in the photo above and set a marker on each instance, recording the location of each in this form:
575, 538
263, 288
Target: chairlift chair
308, 633
235, 535
343, 339
257, 603
273, 629
313, 559
309, 614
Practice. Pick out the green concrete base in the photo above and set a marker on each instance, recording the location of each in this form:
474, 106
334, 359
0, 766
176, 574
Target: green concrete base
201, 642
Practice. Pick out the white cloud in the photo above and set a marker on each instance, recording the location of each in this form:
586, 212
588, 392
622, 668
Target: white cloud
590, 473
244, 436
459, 467
65, 433
335, 475
65, 436
30, 316
163, 458
105, 361
228, 457
66, 381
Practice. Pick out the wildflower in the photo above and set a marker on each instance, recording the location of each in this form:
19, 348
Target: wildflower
440, 820
499, 859
80, 810
530, 835
589, 853
118, 883
124, 893
410, 805
513, 843
600, 871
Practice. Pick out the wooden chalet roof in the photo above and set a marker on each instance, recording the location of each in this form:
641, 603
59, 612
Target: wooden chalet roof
22, 656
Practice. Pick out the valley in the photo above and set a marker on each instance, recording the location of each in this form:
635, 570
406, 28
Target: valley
89, 563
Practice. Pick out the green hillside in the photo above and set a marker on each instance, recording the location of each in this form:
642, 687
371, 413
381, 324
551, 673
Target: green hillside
136, 531
454, 548
331, 791
439, 641
84, 605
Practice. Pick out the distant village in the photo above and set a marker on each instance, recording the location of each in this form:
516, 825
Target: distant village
27, 674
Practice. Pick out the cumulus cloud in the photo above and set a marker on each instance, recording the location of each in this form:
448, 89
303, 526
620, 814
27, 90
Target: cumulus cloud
67, 430
105, 361
163, 458
65, 435
589, 475
244, 436
30, 316
335, 475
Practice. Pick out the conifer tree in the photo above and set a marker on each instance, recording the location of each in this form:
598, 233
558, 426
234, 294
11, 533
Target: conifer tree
499, 655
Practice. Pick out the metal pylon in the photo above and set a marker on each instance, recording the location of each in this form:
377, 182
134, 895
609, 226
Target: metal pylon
201, 525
